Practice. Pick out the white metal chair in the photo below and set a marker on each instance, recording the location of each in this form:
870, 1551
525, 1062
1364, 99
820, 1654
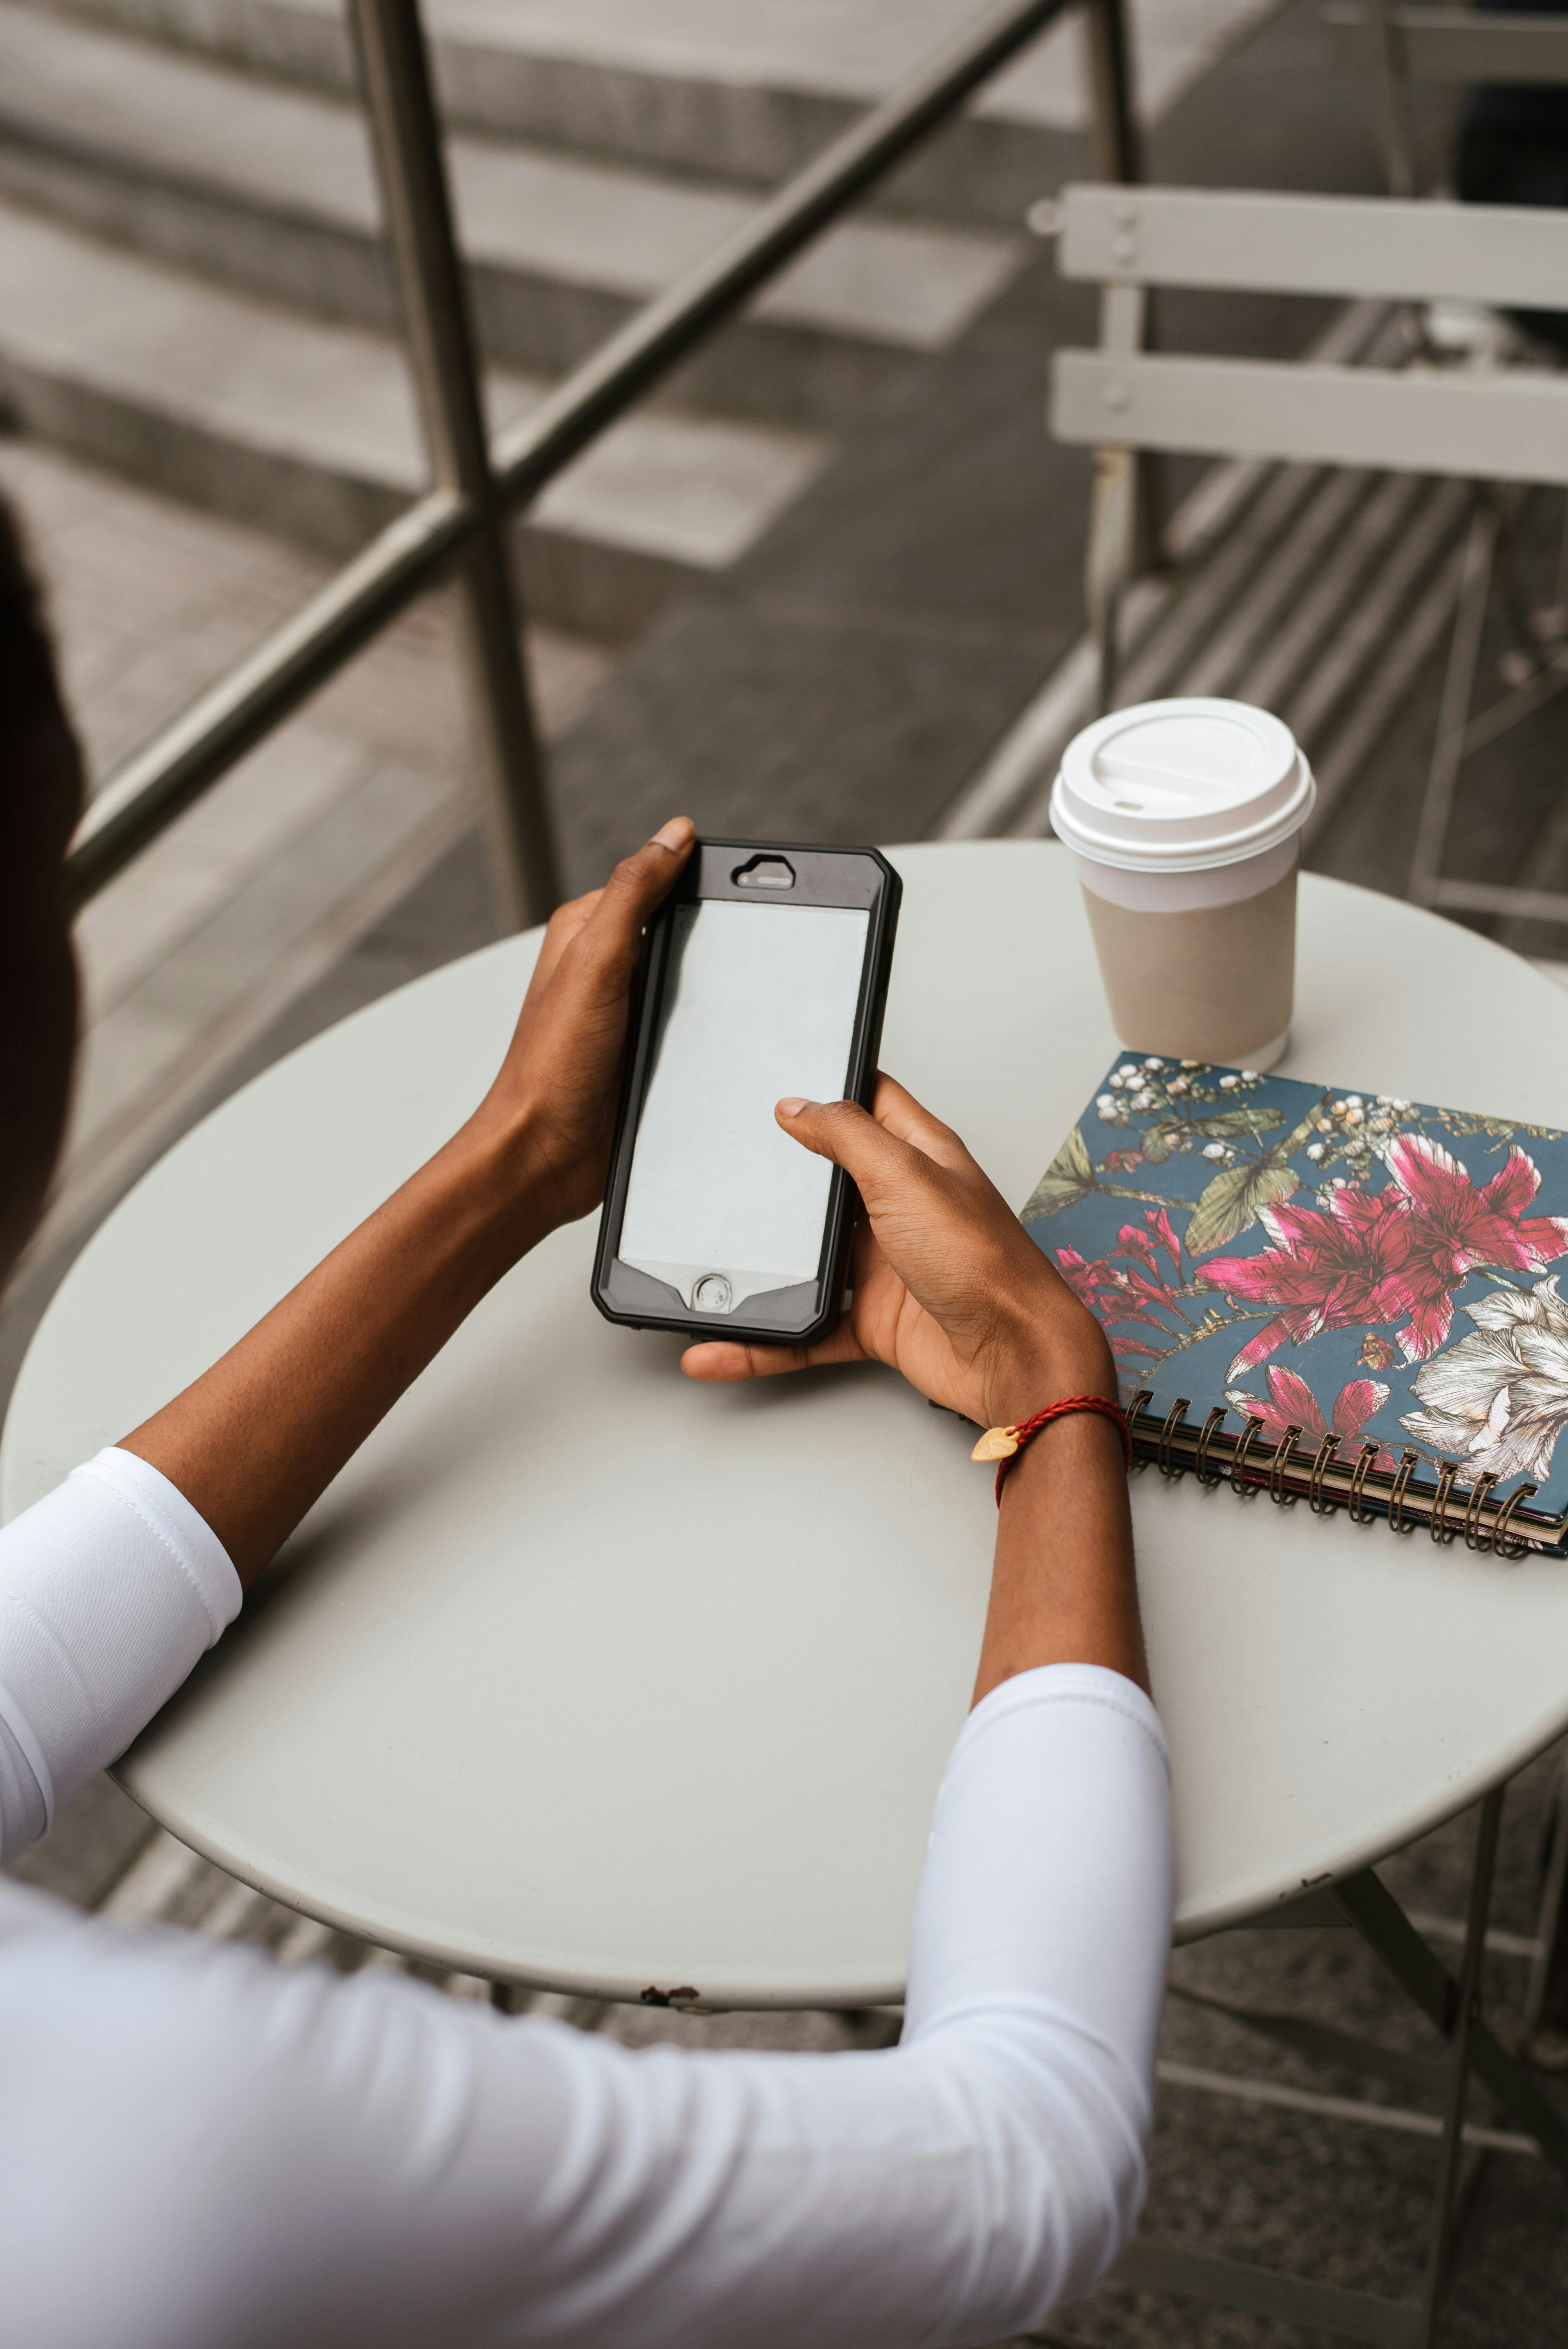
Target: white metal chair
1487, 426
1401, 45
1490, 428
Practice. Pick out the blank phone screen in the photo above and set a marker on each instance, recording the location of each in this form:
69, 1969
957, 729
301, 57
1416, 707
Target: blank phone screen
758, 1002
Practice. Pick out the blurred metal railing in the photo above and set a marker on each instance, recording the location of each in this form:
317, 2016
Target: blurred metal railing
478, 486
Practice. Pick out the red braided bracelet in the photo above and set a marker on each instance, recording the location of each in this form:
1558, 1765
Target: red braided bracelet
1003, 1445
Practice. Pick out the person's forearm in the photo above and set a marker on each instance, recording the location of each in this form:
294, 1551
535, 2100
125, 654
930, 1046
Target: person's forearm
257, 1439
1063, 1589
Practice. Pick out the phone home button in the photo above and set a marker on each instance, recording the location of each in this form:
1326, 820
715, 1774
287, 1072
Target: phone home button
713, 1294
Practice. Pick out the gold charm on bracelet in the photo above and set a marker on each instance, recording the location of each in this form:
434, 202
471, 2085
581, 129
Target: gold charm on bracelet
997, 1444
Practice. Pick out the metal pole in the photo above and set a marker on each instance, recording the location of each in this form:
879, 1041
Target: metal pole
1453, 2145
1458, 692
1128, 501
433, 294
145, 794
1383, 1926
1118, 147
1383, 44
641, 352
1551, 1908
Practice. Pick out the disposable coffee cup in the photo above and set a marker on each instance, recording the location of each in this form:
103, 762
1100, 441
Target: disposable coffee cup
1184, 818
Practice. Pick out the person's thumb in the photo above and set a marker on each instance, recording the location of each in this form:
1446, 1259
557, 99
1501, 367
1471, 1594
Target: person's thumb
850, 1137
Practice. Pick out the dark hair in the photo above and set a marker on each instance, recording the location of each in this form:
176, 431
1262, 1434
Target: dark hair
29, 686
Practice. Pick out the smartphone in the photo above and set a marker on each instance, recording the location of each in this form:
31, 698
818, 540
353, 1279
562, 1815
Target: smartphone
764, 974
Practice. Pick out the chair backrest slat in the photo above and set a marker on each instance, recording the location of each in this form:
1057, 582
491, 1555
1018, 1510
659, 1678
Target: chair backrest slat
1464, 45
1349, 246
1501, 428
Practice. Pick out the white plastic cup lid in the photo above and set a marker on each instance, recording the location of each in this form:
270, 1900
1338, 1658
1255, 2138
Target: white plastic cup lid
1177, 786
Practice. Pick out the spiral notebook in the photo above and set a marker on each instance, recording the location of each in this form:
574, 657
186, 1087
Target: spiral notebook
1334, 1296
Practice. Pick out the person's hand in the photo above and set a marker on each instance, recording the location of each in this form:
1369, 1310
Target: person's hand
949, 1288
552, 1105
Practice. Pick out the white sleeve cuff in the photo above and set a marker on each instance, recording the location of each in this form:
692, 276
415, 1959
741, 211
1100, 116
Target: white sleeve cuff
1058, 1684
188, 1539
111, 1588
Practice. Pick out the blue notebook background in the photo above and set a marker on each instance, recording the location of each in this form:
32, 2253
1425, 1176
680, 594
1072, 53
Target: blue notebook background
1385, 1270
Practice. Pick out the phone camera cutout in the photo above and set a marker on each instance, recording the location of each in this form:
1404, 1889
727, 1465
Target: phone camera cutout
765, 872
713, 1294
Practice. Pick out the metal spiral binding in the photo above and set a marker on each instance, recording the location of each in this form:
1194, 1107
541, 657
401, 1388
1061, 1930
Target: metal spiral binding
1440, 1515
1315, 1500
1201, 1468
1279, 1468
1408, 1462
1500, 1532
1474, 1537
1253, 1428
1359, 1514
1440, 1528
1142, 1396
1163, 1459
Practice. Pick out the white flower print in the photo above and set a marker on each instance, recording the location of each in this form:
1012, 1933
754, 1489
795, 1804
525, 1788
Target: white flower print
1498, 1401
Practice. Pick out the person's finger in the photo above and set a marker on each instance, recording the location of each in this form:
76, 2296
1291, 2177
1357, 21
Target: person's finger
727, 1358
865, 1250
911, 1122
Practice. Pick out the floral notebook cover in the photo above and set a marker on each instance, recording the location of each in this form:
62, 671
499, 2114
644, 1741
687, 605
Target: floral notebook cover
1368, 1285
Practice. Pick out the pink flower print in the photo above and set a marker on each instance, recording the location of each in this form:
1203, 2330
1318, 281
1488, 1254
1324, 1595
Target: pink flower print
1137, 1291
1291, 1403
1077, 1274
1328, 1268
1453, 1227
1124, 1162
1134, 1346
1115, 1292
1395, 1257
1119, 1295
1160, 1224
1130, 1240
1133, 1241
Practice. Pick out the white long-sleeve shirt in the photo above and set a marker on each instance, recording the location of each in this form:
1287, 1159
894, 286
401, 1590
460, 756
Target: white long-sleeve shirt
201, 2151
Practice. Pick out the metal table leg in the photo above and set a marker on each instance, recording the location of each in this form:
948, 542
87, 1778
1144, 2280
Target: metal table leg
1453, 2008
1427, 1981
1554, 1890
1444, 2217
1458, 692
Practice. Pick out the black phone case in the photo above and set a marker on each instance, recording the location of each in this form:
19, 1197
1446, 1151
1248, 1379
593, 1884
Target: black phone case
823, 876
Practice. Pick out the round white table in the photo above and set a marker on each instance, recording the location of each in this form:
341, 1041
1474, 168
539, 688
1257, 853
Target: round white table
583, 1676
